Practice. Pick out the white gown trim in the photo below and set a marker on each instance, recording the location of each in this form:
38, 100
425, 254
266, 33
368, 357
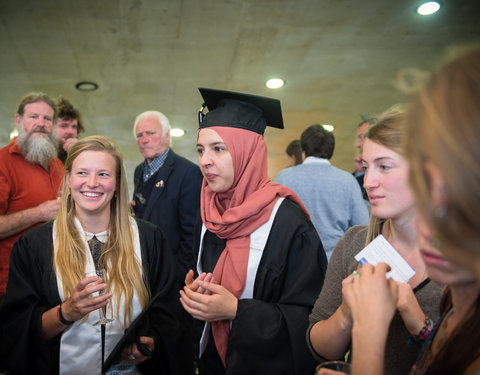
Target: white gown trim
80, 345
258, 240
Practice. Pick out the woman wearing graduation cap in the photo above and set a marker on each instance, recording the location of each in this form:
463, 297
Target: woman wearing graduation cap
260, 262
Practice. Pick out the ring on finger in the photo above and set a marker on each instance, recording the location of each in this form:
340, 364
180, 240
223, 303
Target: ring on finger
355, 274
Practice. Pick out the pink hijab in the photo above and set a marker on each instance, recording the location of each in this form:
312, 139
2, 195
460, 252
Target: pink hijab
233, 215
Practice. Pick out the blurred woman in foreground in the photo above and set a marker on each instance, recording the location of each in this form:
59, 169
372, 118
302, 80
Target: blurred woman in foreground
443, 149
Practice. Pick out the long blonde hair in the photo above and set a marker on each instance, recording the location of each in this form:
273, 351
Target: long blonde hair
118, 257
388, 131
444, 129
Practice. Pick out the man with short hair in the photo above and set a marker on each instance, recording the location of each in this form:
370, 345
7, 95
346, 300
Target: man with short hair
332, 196
361, 131
167, 188
68, 126
30, 176
359, 173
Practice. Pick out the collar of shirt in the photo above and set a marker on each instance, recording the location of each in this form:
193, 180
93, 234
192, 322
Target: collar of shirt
14, 149
314, 159
102, 236
358, 174
150, 169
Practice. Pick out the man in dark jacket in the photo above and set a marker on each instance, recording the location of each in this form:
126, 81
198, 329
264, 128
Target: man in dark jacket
167, 188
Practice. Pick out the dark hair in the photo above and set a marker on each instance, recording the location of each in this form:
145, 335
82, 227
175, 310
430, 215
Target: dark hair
294, 149
462, 348
67, 111
35, 97
318, 142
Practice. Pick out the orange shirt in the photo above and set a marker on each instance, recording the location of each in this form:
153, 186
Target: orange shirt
23, 185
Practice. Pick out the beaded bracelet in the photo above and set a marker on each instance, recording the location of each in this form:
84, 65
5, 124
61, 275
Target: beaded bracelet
62, 318
424, 332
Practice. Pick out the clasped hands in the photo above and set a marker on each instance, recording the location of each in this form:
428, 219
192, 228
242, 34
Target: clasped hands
206, 300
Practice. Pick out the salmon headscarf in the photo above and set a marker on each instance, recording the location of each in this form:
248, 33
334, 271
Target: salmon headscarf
233, 215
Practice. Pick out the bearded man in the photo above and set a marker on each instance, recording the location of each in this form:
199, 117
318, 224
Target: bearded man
30, 176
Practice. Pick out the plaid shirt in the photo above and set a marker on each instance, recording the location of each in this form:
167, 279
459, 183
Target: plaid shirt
150, 169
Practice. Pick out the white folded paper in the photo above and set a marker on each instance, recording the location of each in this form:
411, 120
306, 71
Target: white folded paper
380, 250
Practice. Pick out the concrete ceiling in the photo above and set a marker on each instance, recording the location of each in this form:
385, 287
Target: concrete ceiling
339, 58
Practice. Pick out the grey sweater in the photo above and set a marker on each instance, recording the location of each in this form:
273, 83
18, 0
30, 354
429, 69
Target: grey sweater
400, 355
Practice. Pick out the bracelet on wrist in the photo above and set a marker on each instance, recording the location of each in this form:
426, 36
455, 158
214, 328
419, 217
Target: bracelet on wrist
424, 332
62, 318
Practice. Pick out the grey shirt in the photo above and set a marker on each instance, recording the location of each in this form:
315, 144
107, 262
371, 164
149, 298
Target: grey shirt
400, 355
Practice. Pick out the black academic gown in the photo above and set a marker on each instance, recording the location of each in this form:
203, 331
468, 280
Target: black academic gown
268, 332
32, 290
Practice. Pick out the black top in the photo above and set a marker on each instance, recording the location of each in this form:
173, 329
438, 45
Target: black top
143, 190
32, 290
62, 155
173, 205
268, 332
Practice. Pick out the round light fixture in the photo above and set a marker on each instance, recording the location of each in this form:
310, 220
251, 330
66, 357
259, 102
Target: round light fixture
86, 86
328, 127
176, 132
274, 83
14, 133
428, 8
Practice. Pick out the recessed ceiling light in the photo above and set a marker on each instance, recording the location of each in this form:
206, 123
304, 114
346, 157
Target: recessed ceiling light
176, 132
14, 133
86, 86
428, 8
328, 127
274, 83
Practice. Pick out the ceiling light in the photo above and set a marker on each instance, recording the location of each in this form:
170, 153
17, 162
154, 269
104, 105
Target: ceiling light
328, 127
428, 8
86, 86
177, 132
14, 133
274, 83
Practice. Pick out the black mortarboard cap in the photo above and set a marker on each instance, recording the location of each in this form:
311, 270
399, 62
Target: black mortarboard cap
238, 110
